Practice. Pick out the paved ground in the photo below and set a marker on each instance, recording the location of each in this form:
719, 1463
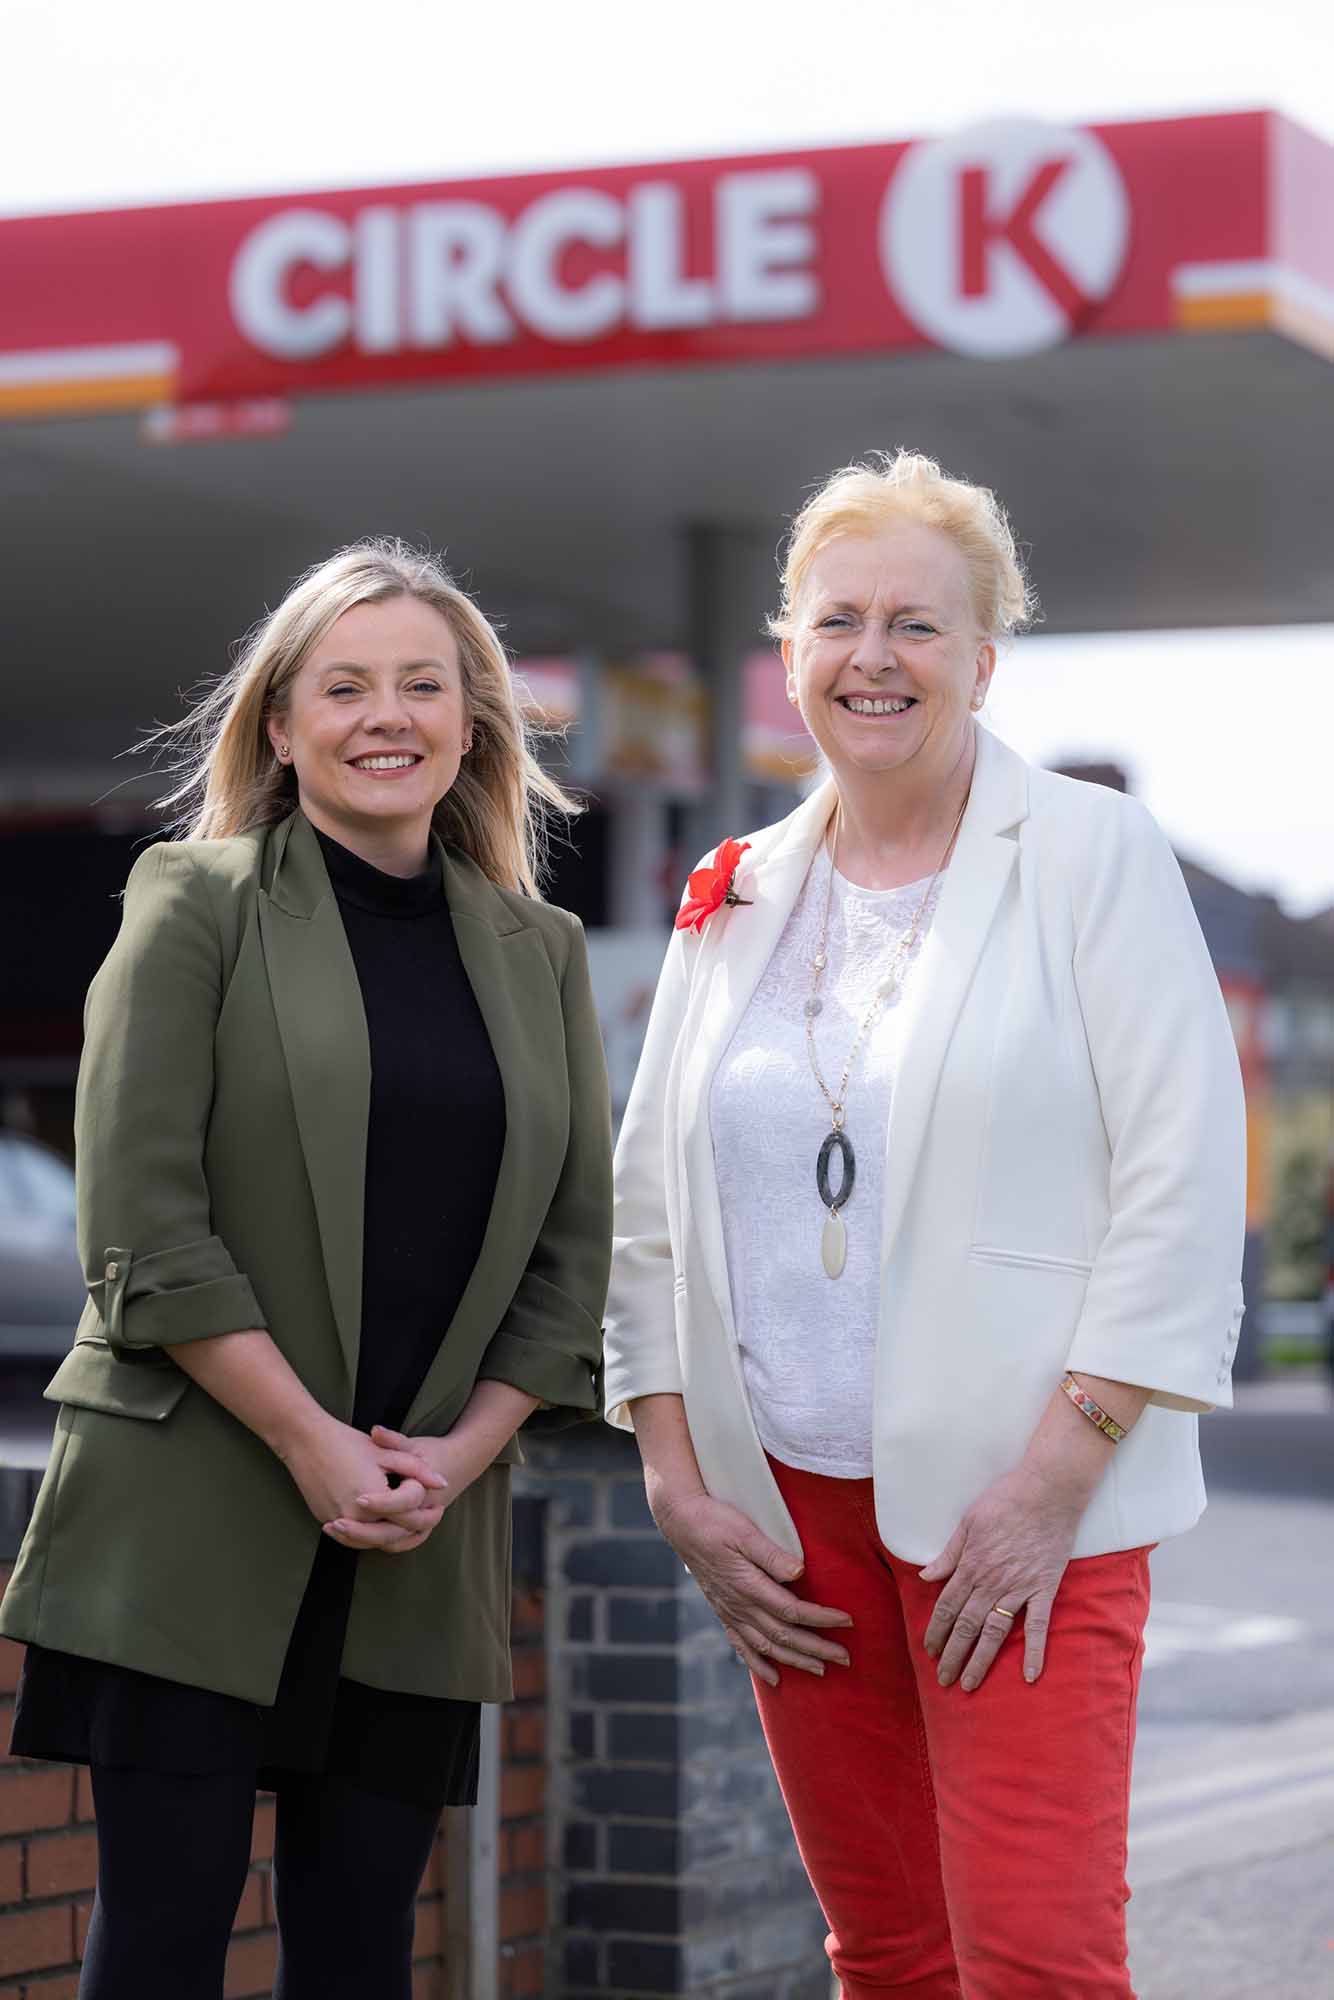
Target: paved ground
1232, 1845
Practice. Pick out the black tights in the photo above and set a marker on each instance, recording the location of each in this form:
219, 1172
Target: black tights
173, 1854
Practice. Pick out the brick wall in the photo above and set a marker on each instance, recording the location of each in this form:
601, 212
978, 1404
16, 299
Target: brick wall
521, 1858
48, 1867
48, 1847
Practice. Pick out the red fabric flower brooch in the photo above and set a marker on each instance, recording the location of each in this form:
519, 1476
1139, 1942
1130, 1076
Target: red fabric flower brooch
709, 888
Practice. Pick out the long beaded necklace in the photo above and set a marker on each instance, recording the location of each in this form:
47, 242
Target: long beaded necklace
834, 1241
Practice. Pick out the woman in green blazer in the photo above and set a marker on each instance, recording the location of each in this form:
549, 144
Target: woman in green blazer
344, 1187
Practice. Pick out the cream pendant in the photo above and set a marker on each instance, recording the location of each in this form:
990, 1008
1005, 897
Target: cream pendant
834, 1245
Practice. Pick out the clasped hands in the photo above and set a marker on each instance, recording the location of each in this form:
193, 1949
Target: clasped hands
344, 1476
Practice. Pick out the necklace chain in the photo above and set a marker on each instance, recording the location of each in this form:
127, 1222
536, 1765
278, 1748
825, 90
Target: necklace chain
888, 985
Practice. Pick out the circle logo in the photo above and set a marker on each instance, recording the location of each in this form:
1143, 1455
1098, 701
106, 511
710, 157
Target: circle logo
1004, 238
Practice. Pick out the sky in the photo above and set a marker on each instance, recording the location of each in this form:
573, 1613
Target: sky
1225, 734
136, 104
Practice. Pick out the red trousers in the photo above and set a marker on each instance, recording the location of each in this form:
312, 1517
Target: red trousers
962, 1846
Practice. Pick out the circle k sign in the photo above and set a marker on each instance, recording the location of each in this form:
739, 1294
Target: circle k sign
1003, 238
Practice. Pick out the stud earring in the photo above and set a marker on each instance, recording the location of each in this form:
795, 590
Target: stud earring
284, 752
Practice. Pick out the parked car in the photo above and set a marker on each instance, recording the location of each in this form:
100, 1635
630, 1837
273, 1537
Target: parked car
42, 1289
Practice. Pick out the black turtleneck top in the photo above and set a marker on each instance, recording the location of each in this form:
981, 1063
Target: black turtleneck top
437, 1124
433, 1147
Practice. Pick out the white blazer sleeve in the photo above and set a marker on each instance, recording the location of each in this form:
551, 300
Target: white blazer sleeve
1163, 1306
639, 1345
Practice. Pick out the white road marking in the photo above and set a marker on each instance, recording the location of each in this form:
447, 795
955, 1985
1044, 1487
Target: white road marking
1174, 1629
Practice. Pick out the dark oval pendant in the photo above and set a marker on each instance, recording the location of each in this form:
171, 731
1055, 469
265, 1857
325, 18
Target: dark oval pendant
848, 1160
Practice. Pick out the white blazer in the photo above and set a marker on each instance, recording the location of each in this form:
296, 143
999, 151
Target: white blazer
1066, 1169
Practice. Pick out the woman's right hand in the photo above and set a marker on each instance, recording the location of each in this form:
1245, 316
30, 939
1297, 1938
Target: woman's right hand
744, 1577
337, 1469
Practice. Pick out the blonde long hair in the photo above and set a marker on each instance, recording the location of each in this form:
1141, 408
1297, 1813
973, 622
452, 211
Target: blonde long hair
229, 780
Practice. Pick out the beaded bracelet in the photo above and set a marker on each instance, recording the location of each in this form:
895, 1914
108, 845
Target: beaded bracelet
1093, 1411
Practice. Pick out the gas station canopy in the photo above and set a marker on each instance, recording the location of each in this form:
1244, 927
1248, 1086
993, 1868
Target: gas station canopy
565, 380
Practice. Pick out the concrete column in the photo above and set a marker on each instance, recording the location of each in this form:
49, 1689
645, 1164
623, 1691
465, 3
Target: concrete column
586, 744
635, 892
484, 1866
732, 585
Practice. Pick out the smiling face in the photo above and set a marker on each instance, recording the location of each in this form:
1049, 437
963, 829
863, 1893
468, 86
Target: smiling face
888, 661
376, 724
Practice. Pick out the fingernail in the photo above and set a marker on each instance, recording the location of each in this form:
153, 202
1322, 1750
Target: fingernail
1030, 1674
968, 1686
944, 1678
843, 1659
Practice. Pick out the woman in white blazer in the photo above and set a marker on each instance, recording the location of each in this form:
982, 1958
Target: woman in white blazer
930, 1209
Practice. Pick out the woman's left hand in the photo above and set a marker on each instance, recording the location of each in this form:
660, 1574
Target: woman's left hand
1010, 1549
403, 1519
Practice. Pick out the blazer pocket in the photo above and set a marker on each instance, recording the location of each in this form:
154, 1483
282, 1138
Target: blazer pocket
1029, 1260
91, 1377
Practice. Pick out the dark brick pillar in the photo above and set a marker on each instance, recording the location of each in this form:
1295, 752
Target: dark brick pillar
675, 1869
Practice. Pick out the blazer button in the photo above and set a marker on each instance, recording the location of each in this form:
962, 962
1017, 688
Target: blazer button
113, 1271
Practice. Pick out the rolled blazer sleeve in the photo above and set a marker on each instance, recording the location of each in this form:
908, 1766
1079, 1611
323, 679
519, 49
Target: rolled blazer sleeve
550, 1341
156, 1273
1163, 1305
641, 1349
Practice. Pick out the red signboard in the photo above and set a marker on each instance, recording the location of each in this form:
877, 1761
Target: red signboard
998, 240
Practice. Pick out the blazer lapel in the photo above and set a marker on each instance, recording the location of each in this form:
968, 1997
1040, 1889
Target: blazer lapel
979, 870
735, 949
322, 1027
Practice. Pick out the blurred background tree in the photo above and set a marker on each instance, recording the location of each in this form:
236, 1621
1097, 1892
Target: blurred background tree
1297, 1228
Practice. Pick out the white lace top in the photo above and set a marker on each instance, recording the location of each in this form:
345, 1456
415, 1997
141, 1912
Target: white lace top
807, 1340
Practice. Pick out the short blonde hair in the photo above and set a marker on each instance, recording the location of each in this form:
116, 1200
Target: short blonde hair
230, 780
874, 493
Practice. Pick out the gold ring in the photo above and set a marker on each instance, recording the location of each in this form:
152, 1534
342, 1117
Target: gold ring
1003, 1612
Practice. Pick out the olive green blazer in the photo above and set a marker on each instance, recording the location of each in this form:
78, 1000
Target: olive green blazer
221, 1148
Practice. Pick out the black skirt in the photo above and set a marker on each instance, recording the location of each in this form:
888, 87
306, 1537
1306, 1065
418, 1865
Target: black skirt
419, 1748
